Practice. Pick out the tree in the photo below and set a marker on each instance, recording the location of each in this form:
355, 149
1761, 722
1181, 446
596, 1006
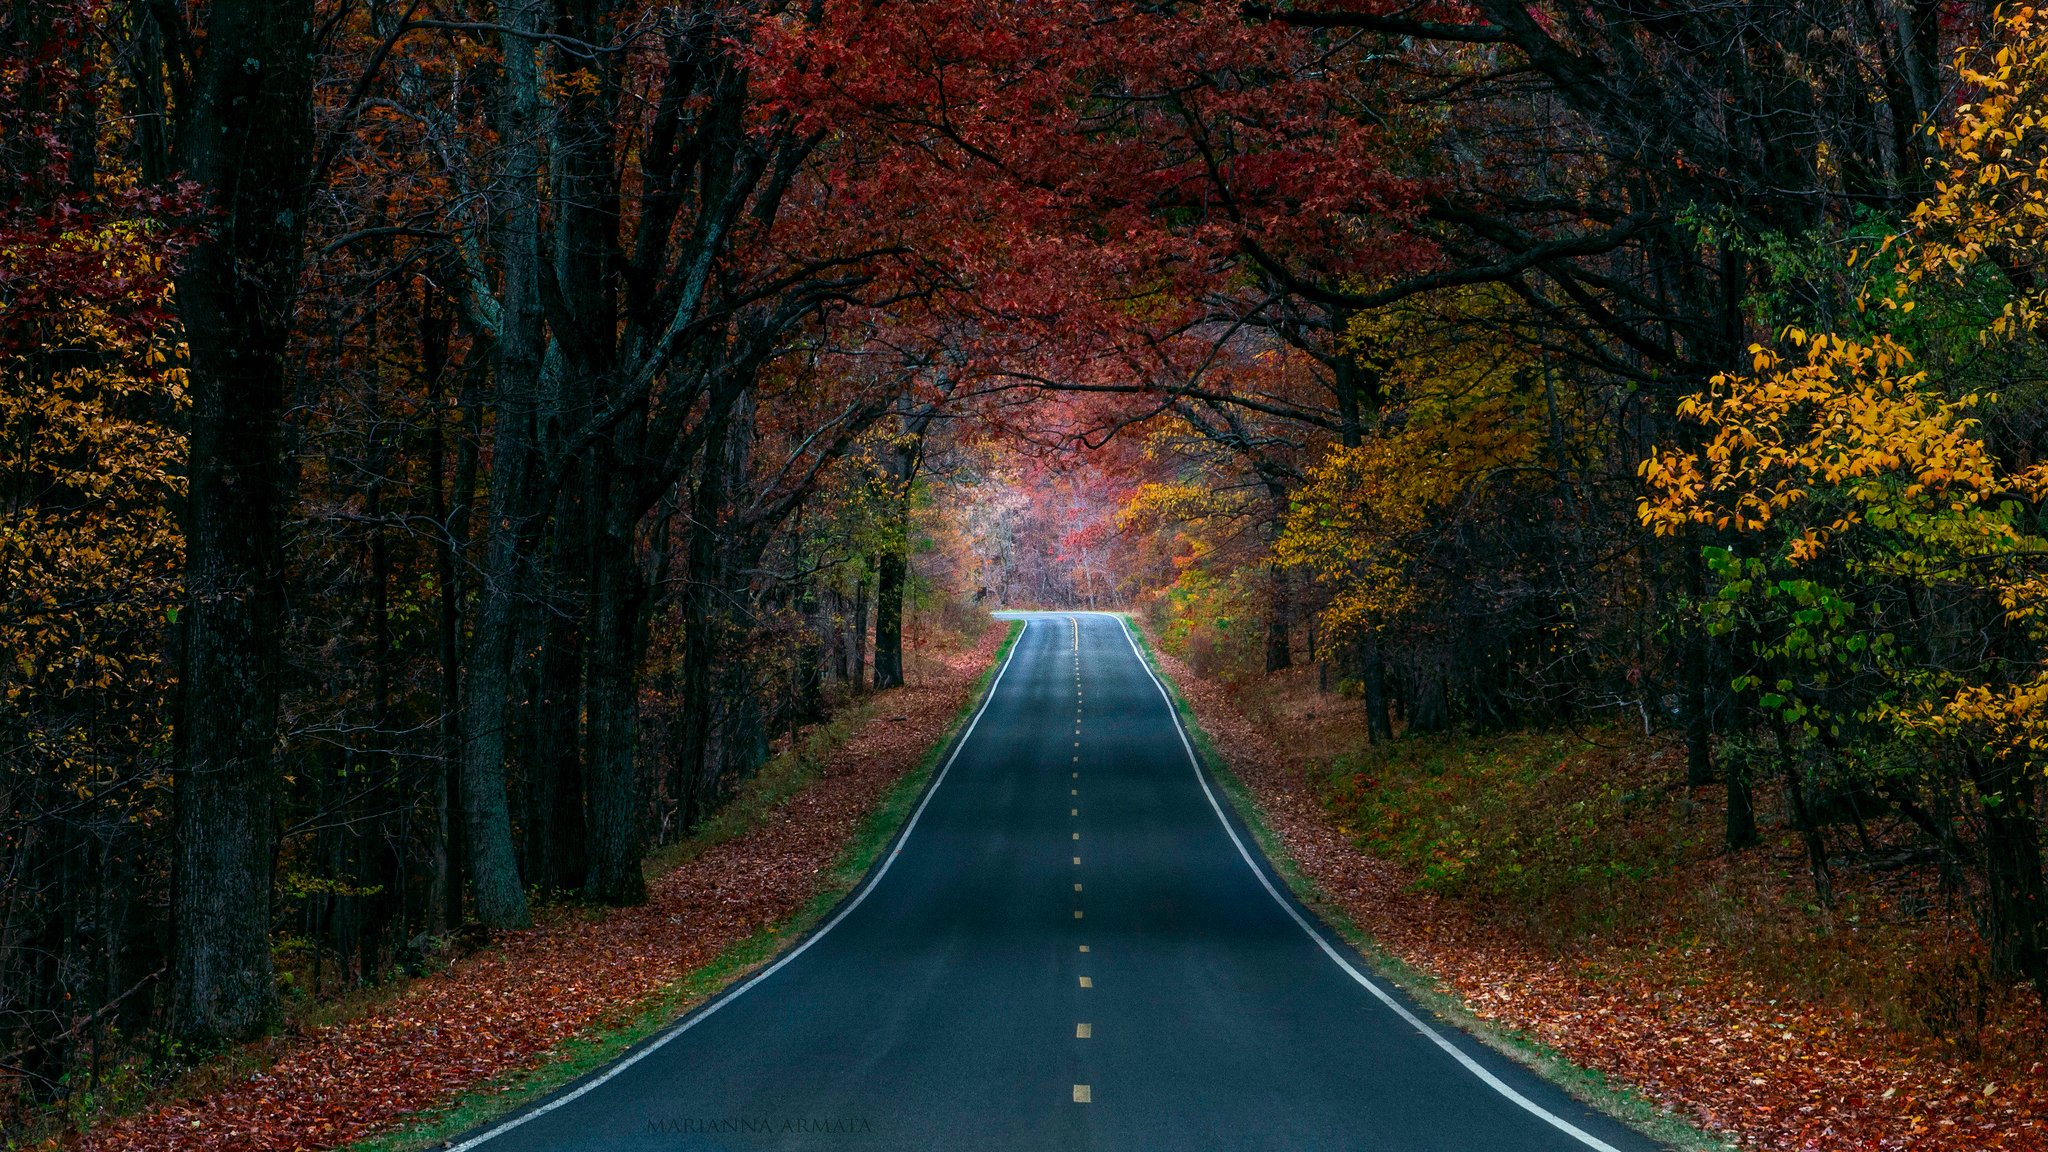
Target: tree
244, 138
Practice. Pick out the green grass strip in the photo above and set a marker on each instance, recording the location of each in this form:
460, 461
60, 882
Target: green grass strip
1584, 1084
601, 1044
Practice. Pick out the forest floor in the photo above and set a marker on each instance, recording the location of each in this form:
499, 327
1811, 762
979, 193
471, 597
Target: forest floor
535, 1008
1558, 893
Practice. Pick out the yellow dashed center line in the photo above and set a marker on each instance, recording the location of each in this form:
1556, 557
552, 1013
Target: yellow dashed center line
1084, 1031
1082, 1095
1087, 981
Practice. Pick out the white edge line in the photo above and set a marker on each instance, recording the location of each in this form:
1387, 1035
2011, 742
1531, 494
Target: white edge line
1400, 1009
727, 998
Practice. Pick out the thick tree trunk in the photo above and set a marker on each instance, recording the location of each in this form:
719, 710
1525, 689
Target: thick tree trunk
838, 634
1279, 619
554, 792
246, 144
807, 688
706, 574
893, 568
487, 815
500, 900
1373, 672
2015, 901
612, 874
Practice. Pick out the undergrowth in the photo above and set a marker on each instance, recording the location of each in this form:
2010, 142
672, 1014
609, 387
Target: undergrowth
1588, 840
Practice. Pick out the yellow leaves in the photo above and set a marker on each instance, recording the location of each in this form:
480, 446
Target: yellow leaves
1850, 420
1177, 503
1362, 512
89, 546
1991, 199
2001, 721
1806, 546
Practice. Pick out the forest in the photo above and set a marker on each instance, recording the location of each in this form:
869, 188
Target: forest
449, 447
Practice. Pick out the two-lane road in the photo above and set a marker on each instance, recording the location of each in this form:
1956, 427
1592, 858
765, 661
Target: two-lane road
1070, 947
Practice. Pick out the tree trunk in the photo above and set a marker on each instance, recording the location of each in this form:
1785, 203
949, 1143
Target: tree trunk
905, 454
807, 689
1809, 828
861, 597
1699, 728
612, 874
246, 144
1697, 683
2014, 896
1279, 619
1739, 831
554, 792
700, 631
487, 815
451, 517
893, 568
1430, 710
1379, 726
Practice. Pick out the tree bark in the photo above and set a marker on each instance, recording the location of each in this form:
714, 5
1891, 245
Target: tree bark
246, 143
859, 626
554, 787
451, 515
893, 571
701, 627
611, 698
1379, 726
1279, 619
487, 816
1739, 830
1430, 710
2014, 899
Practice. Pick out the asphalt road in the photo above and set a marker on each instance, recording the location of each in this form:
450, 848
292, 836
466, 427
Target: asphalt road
1070, 947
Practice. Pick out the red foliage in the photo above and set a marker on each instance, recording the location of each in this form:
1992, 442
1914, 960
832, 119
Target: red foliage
55, 203
1083, 182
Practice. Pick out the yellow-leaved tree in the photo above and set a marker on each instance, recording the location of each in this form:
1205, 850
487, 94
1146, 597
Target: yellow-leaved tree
90, 392
1398, 525
1878, 561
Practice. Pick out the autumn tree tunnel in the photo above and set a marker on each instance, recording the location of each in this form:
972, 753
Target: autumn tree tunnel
447, 448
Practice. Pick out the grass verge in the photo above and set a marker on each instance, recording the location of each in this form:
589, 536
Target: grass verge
1584, 1084
598, 1046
